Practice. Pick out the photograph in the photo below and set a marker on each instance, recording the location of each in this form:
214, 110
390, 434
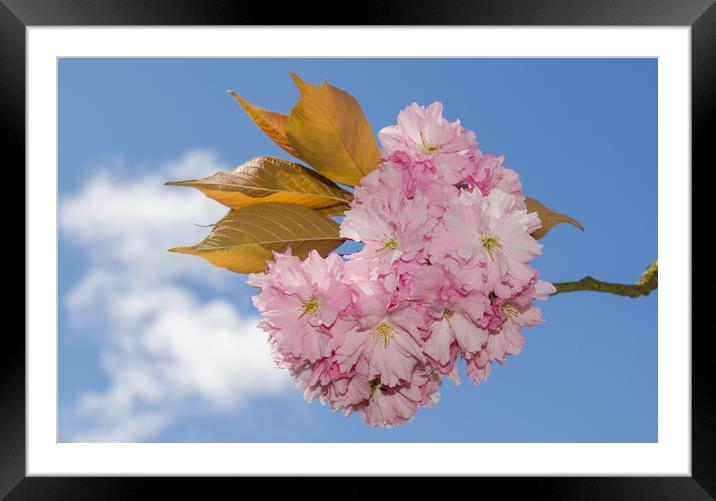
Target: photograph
363, 249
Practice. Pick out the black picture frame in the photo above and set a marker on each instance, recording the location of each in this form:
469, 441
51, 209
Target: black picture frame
16, 15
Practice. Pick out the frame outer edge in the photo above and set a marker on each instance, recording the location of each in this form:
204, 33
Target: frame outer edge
703, 120
12, 64
12, 350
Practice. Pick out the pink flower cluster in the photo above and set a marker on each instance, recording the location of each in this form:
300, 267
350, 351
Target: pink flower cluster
444, 273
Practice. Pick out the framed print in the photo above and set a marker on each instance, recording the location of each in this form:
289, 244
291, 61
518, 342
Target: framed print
373, 218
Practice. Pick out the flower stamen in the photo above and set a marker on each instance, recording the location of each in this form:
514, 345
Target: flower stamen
384, 330
510, 310
311, 306
429, 149
390, 242
489, 243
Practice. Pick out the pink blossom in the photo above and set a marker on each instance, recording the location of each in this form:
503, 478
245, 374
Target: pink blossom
486, 243
444, 274
389, 177
301, 302
489, 173
506, 320
324, 380
479, 367
427, 137
388, 339
391, 406
455, 317
391, 226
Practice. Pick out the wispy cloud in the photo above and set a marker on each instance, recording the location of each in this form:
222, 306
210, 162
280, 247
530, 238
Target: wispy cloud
162, 345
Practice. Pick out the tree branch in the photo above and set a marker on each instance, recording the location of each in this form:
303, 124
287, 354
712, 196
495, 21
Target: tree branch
646, 283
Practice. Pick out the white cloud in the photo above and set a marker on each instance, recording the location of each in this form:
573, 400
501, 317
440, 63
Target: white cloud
120, 220
162, 347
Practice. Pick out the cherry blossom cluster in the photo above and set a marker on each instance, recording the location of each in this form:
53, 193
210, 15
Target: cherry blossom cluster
444, 274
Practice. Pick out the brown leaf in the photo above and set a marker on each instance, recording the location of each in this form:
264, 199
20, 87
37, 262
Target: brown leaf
548, 217
328, 130
268, 179
272, 123
336, 210
243, 240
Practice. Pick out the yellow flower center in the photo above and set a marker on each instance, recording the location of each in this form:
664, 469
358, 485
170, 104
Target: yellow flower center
429, 149
311, 307
390, 242
489, 242
447, 314
384, 330
510, 310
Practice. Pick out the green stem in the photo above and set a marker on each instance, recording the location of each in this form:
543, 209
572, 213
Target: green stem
648, 281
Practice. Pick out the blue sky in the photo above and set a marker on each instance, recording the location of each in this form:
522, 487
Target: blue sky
162, 347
